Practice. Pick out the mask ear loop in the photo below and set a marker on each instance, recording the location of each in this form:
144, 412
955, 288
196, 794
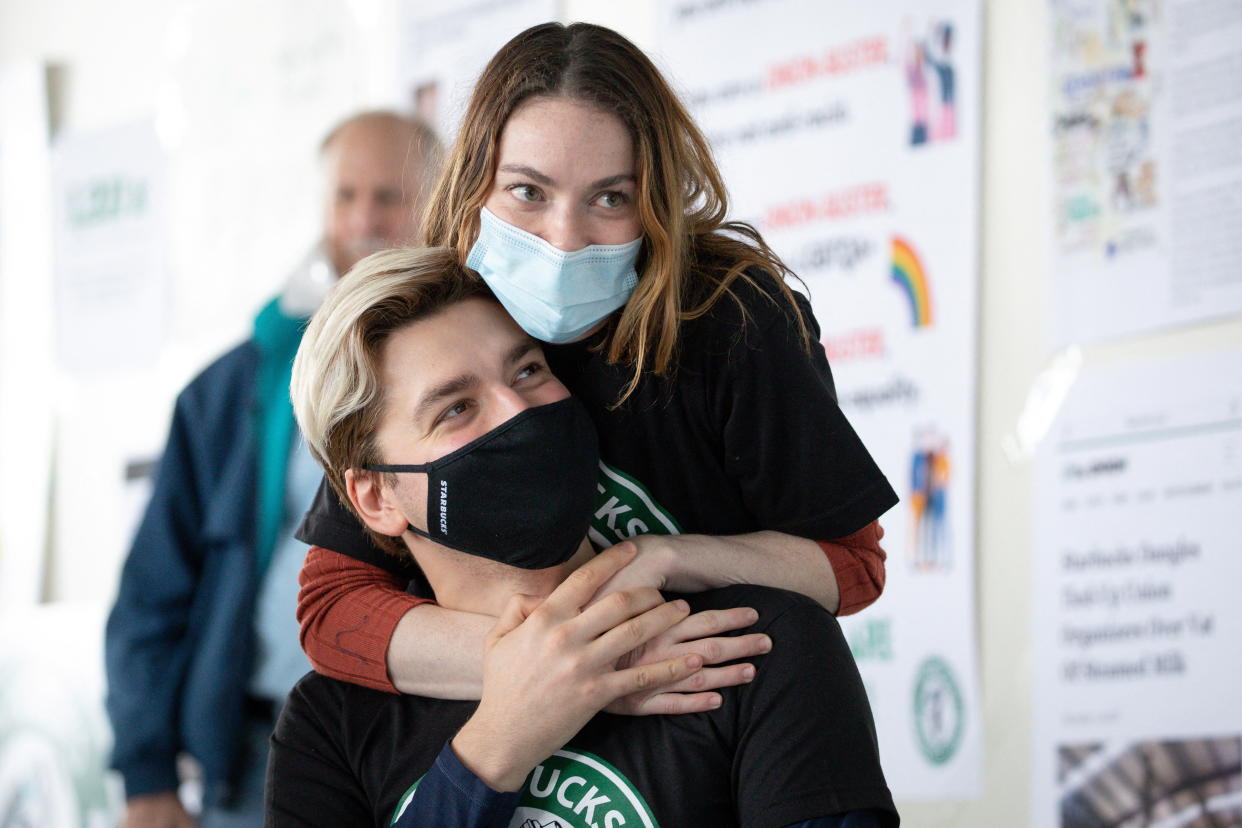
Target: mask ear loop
418, 531
423, 468
380, 467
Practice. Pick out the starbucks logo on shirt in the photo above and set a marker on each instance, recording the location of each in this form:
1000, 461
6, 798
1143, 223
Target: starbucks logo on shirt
572, 790
579, 790
624, 508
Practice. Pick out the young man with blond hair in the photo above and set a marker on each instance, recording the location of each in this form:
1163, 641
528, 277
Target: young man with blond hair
437, 420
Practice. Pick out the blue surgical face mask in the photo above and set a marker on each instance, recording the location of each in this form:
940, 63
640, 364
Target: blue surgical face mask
555, 296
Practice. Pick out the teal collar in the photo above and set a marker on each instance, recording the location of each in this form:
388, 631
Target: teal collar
277, 337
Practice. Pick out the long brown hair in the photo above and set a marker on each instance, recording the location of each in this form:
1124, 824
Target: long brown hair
691, 254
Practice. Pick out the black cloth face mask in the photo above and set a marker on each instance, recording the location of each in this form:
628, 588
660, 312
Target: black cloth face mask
522, 494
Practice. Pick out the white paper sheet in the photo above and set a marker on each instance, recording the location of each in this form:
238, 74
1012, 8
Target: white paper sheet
1146, 128
110, 240
445, 45
1137, 626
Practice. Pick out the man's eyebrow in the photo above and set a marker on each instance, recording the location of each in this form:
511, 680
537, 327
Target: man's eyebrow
461, 382
447, 388
518, 351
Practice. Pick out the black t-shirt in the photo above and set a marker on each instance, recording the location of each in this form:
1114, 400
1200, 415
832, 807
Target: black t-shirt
798, 742
744, 435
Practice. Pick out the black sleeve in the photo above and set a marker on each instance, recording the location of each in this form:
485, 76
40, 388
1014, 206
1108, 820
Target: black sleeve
798, 462
329, 524
806, 744
309, 778
854, 819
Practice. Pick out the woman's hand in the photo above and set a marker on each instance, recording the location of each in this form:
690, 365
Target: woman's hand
700, 634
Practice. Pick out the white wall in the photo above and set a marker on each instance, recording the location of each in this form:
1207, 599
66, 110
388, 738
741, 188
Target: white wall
240, 94
123, 56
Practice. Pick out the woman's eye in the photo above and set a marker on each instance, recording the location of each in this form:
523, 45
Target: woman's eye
612, 200
526, 192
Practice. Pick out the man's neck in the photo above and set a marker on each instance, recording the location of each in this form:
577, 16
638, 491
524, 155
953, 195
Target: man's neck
473, 584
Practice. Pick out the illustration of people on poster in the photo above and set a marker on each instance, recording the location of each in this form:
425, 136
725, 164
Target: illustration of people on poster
930, 544
848, 135
929, 64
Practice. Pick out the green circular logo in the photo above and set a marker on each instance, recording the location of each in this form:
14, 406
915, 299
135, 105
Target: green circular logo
579, 790
572, 789
939, 715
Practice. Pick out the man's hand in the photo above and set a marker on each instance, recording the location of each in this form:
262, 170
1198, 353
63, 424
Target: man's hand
699, 634
550, 665
161, 810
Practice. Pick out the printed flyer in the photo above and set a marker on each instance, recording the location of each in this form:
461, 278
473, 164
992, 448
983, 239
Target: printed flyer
1136, 624
1146, 164
848, 135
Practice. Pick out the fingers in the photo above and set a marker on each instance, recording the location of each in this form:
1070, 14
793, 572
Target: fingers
714, 622
649, 676
665, 704
576, 590
516, 610
689, 695
725, 648
712, 678
619, 607
621, 635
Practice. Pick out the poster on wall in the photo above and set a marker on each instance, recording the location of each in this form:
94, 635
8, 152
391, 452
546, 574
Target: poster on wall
848, 134
444, 46
1146, 127
1136, 623
108, 203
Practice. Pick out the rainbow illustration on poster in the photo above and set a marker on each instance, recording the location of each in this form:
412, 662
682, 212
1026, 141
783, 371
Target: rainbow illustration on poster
909, 275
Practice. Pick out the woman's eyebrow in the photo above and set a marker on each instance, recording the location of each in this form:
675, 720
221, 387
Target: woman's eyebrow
540, 178
529, 172
613, 179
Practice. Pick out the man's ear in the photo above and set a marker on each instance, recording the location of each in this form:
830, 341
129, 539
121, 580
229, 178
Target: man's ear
374, 503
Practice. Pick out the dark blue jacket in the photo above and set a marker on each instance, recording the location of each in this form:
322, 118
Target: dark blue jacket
179, 640
179, 644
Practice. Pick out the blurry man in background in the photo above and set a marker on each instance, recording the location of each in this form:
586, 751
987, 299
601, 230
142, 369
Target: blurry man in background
202, 643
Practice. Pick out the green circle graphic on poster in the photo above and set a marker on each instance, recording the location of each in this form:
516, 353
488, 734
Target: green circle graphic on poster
939, 714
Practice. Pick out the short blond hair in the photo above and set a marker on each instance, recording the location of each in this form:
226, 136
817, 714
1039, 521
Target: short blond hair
337, 387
